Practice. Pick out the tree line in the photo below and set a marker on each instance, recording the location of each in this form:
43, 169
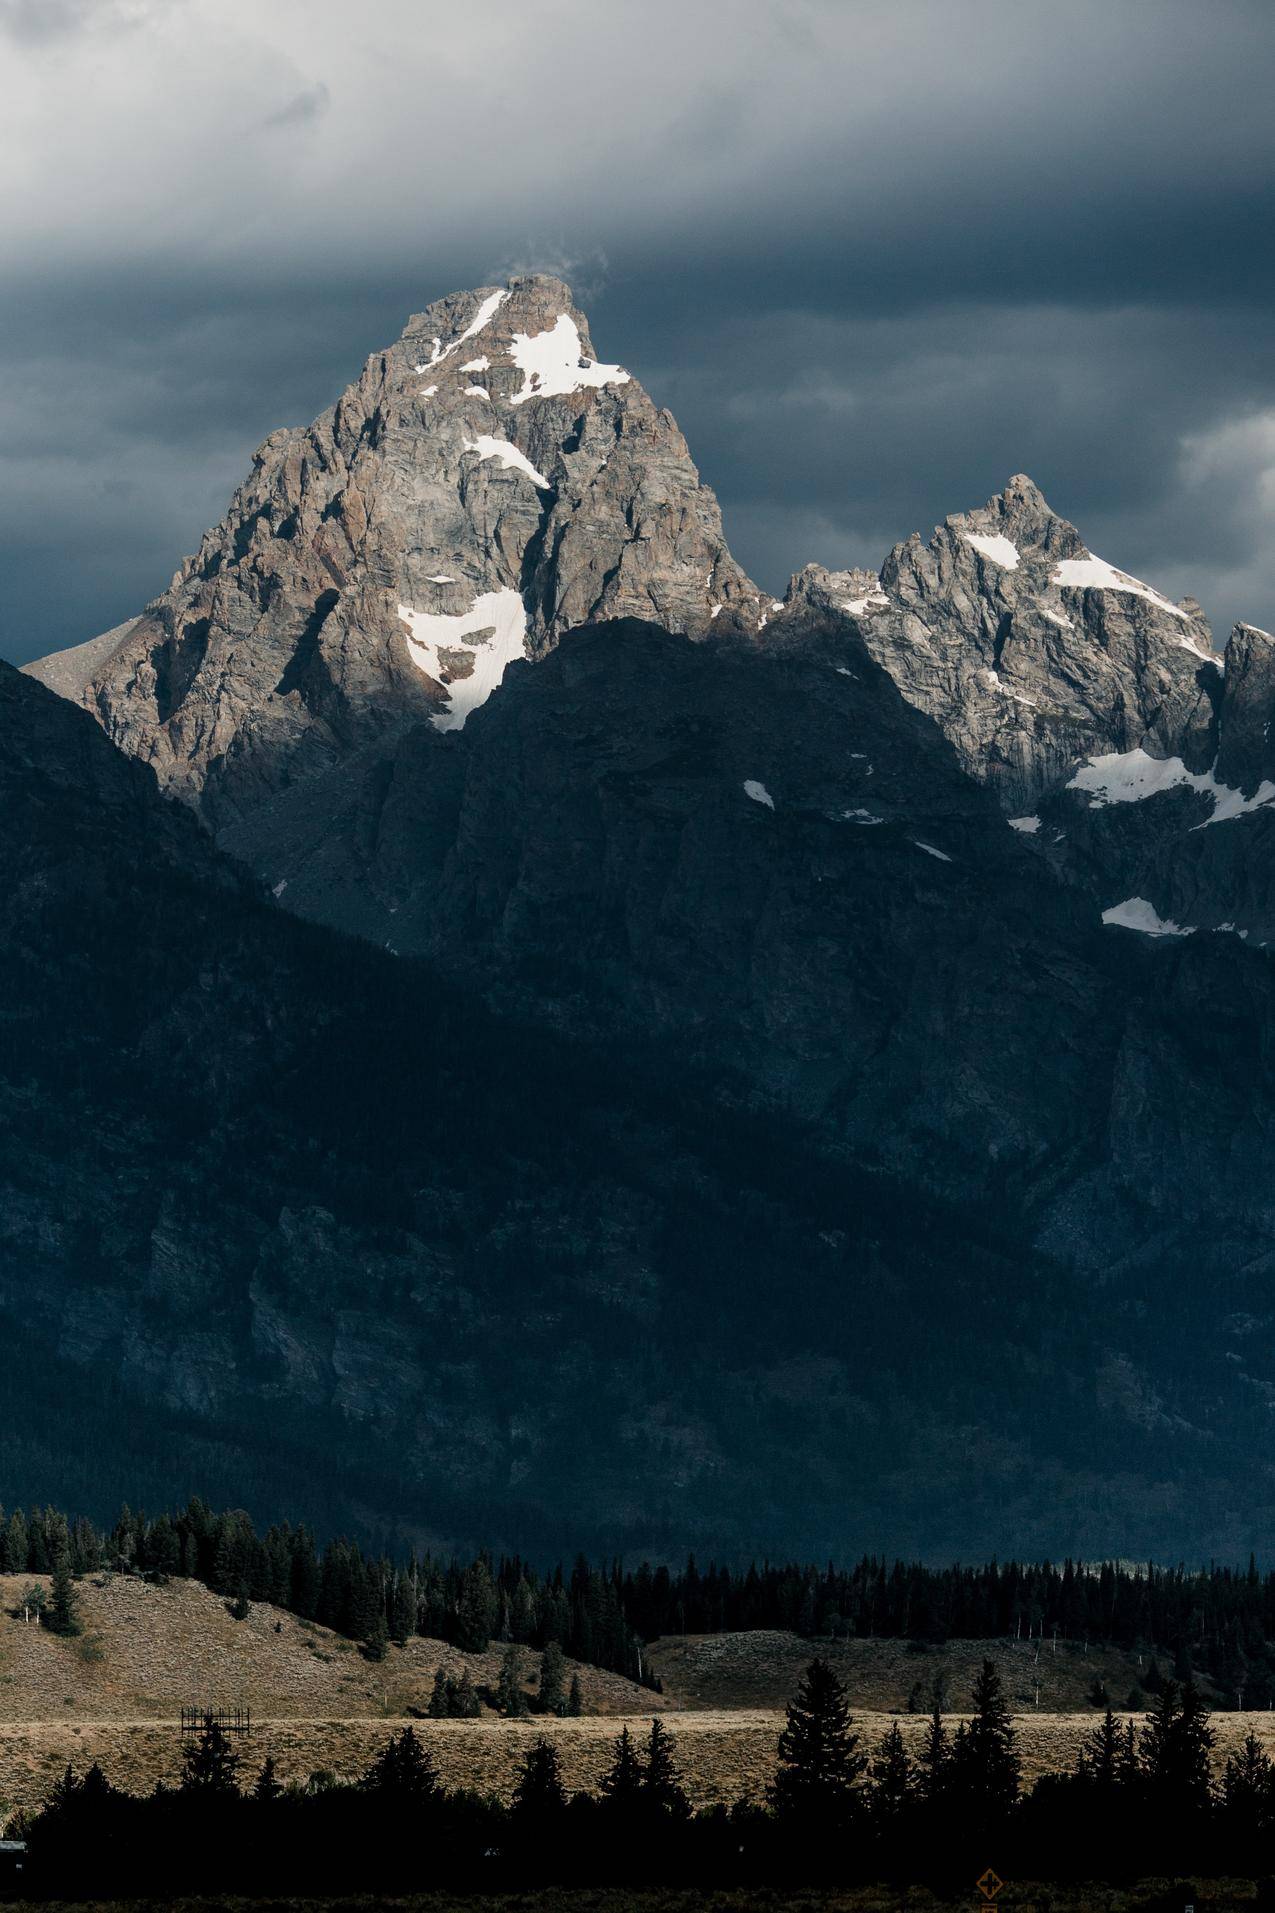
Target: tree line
1142, 1798
1218, 1622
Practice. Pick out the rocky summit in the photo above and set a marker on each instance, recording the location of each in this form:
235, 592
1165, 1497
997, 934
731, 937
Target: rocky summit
787, 1064
485, 485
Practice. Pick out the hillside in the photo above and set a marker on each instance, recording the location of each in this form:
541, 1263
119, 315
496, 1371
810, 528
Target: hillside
147, 1651
761, 1669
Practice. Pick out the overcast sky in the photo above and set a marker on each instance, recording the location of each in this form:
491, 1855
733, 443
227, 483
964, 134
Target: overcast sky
876, 255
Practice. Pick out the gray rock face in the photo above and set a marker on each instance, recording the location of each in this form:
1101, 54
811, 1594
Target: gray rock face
1027, 651
485, 485
1135, 761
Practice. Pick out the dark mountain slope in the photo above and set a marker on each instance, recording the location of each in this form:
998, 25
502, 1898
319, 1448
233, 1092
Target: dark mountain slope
345, 1241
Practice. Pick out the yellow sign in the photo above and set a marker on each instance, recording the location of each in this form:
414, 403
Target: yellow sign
989, 1885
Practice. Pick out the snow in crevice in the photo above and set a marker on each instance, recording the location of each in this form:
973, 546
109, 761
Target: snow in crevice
1056, 617
427, 391
488, 638
994, 679
552, 363
862, 817
484, 315
477, 392
715, 611
1095, 574
930, 851
1001, 550
1135, 913
442, 578
511, 459
1027, 825
1127, 777
871, 601
476, 365
758, 793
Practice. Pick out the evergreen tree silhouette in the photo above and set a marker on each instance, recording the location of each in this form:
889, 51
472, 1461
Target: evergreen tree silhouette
540, 1795
266, 1788
985, 1766
621, 1784
210, 1765
402, 1770
662, 1788
932, 1762
820, 1764
1248, 1791
892, 1780
1176, 1748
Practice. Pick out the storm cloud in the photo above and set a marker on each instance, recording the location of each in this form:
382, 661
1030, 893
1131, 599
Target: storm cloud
875, 257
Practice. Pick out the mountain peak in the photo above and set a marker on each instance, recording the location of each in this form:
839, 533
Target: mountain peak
485, 485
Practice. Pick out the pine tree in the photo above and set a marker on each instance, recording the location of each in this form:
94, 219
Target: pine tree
402, 1770
892, 1779
210, 1764
60, 1615
510, 1696
402, 1610
1176, 1749
540, 1794
662, 1788
441, 1700
932, 1762
820, 1762
1248, 1790
476, 1614
575, 1701
468, 1706
266, 1787
377, 1640
621, 1784
553, 1668
985, 1767
1099, 1757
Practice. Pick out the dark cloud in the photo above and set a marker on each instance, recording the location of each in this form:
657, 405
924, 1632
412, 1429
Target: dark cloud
875, 258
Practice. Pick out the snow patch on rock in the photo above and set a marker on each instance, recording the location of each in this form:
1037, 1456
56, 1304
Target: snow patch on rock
1135, 913
1028, 825
1127, 777
1095, 574
511, 459
485, 313
930, 851
490, 634
758, 793
553, 365
1001, 550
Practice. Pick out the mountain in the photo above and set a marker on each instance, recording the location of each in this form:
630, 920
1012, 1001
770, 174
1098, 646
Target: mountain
1111, 732
484, 486
779, 1119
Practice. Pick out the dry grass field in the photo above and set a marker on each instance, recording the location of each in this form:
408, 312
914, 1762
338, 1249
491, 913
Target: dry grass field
723, 1756
114, 1695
